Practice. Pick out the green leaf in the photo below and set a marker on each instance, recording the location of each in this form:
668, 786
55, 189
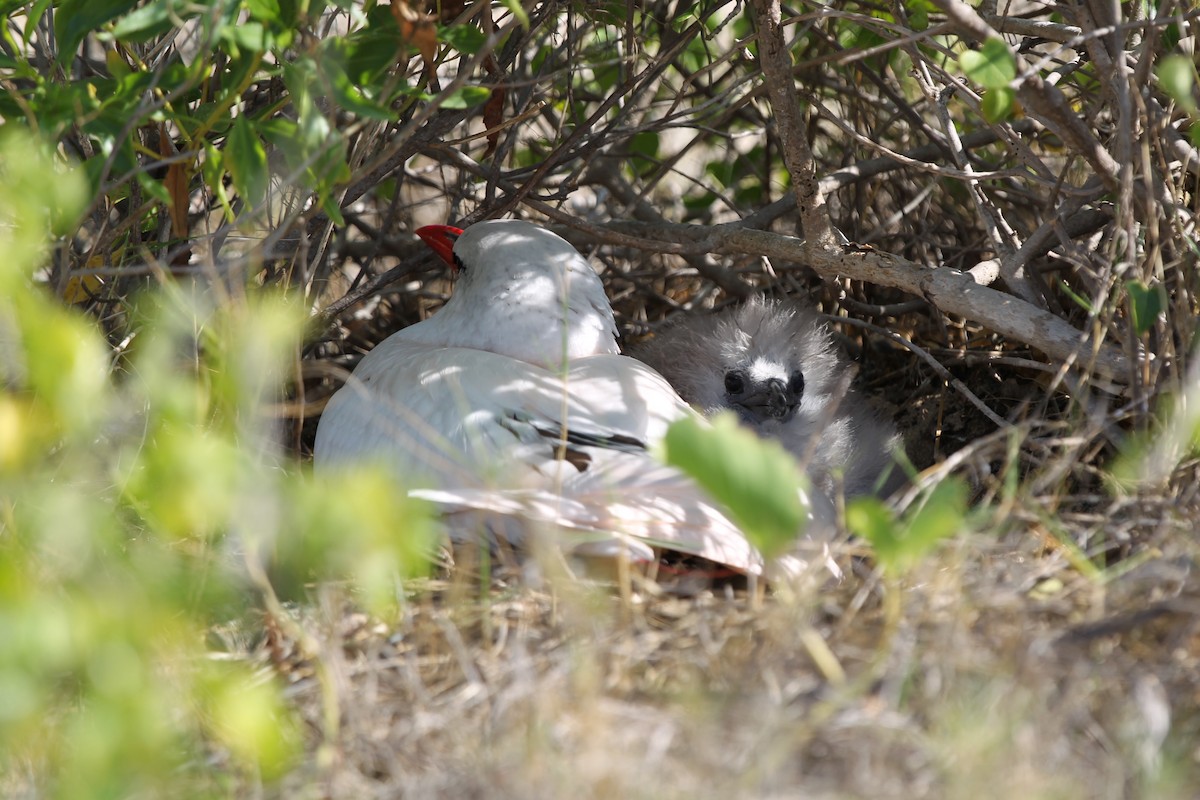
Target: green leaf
755, 479
1079, 299
643, 151
918, 13
338, 83
869, 518
371, 51
900, 544
212, 168
249, 716
1177, 76
188, 482
992, 66
998, 104
518, 11
66, 362
314, 129
466, 97
463, 38
149, 21
1145, 304
41, 194
247, 161
943, 514
353, 524
75, 19
251, 36
332, 210
264, 10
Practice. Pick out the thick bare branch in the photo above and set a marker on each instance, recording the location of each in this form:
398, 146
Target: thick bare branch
949, 290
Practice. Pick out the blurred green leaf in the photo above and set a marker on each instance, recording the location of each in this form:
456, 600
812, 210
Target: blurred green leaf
187, 483
264, 10
998, 104
352, 525
1145, 304
992, 66
152, 19
918, 13
247, 714
898, 544
643, 150
1079, 299
518, 11
466, 97
463, 38
253, 37
66, 363
349, 96
75, 19
1177, 75
755, 479
247, 161
45, 197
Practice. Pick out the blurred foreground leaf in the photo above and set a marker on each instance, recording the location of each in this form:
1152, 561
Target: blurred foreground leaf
754, 478
130, 499
991, 66
900, 543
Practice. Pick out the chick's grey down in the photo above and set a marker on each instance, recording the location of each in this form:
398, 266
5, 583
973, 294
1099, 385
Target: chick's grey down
774, 364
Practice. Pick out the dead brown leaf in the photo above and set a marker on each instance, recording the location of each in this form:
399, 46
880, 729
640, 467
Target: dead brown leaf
176, 182
417, 29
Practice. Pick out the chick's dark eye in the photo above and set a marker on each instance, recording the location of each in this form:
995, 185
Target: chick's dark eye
796, 382
458, 264
735, 382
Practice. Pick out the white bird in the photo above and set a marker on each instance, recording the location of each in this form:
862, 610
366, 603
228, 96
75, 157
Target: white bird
776, 365
512, 404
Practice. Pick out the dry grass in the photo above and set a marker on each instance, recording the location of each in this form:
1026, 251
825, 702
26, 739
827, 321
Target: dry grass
1008, 672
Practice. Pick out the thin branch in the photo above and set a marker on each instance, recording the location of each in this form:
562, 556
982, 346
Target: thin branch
776, 63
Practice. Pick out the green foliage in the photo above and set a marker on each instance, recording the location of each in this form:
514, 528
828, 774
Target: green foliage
1145, 304
247, 162
900, 543
756, 480
134, 510
1149, 457
466, 97
118, 106
993, 67
1177, 74
998, 104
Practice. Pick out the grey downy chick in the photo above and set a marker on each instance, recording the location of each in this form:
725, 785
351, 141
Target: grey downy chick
775, 364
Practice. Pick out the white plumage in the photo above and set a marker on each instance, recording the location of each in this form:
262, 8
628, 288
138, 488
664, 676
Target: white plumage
776, 365
511, 405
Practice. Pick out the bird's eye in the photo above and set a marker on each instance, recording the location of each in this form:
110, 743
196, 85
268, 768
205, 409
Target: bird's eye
796, 382
458, 264
735, 382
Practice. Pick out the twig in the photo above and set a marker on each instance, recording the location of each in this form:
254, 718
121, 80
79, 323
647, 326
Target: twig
776, 63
